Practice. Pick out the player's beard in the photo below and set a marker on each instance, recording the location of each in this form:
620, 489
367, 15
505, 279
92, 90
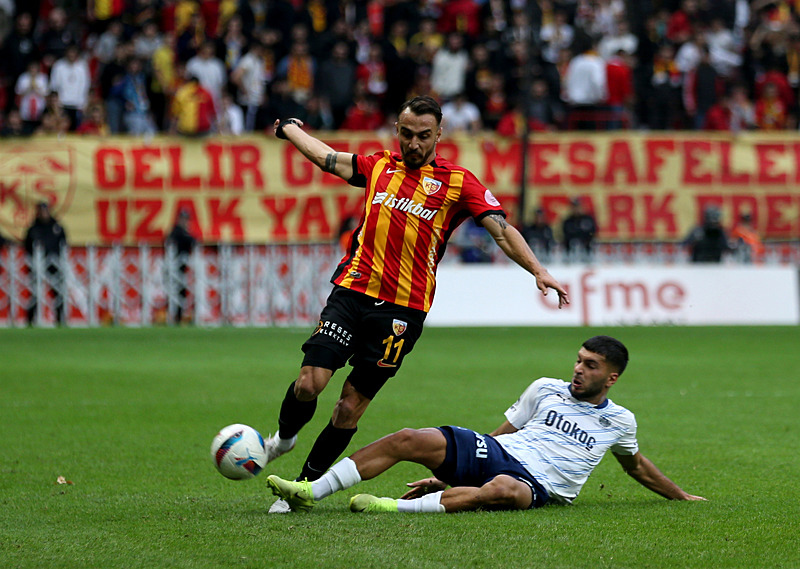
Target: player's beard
587, 391
415, 160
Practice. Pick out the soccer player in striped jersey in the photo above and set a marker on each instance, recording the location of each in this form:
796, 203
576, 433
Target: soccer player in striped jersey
551, 440
385, 283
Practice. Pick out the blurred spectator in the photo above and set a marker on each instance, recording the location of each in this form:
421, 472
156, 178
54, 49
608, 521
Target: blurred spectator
496, 104
771, 112
183, 242
449, 68
363, 114
232, 44
14, 126
163, 80
318, 114
690, 53
701, 89
55, 120
231, 117
665, 93
101, 12
400, 60
146, 42
621, 40
47, 234
54, 41
775, 76
586, 85
539, 235
461, 115
94, 123
743, 113
209, 70
106, 45
723, 47
708, 241
427, 40
32, 88
473, 243
250, 78
371, 74
110, 86
19, 47
619, 78
133, 90
336, 79
556, 35
579, 230
479, 75
461, 16
71, 79
193, 109
7, 8
543, 108
679, 26
298, 70
747, 241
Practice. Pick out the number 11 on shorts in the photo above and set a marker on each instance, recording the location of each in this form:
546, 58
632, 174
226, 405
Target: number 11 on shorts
391, 345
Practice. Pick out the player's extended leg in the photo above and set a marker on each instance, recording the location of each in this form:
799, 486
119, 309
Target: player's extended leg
427, 447
335, 437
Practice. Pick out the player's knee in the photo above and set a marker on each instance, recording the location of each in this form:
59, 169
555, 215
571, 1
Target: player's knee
506, 493
310, 382
402, 441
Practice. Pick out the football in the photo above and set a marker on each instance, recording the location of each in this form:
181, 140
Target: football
238, 452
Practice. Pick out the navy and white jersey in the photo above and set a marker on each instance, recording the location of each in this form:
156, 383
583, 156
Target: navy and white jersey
561, 439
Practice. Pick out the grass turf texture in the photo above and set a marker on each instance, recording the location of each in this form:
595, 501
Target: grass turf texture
128, 415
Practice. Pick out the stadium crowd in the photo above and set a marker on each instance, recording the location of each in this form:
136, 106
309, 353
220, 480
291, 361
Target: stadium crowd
203, 66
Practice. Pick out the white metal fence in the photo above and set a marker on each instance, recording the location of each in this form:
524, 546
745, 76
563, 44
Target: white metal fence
248, 285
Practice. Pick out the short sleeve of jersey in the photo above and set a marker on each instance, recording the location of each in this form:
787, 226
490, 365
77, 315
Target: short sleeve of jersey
478, 199
525, 408
627, 443
362, 166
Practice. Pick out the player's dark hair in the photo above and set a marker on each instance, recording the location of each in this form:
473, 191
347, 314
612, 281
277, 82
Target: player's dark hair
423, 105
611, 349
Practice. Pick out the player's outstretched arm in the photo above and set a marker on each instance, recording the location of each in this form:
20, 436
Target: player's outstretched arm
514, 246
641, 469
325, 157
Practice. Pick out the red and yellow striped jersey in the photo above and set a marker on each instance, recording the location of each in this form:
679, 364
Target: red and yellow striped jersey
408, 217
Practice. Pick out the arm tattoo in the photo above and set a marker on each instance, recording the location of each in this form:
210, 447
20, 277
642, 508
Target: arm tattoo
330, 162
499, 219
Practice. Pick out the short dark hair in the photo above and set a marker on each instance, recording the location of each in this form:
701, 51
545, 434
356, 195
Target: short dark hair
611, 349
423, 105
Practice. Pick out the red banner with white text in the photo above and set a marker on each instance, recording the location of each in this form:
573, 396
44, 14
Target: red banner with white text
640, 186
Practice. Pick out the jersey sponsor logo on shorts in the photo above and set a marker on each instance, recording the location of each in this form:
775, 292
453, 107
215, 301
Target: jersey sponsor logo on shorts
481, 449
430, 185
569, 428
403, 204
335, 331
398, 327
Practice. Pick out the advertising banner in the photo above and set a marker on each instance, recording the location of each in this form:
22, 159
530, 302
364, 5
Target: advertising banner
641, 187
470, 295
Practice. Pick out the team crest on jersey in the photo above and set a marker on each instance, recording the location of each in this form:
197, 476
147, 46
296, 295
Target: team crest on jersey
431, 186
398, 326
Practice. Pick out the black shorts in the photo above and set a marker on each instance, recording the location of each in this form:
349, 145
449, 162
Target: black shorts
473, 459
373, 334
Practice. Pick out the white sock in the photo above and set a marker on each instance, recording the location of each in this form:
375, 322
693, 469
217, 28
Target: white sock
284, 444
428, 503
341, 476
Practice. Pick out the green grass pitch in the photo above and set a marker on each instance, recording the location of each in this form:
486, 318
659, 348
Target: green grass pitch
127, 415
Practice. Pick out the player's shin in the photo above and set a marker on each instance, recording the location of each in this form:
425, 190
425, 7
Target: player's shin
330, 443
294, 414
